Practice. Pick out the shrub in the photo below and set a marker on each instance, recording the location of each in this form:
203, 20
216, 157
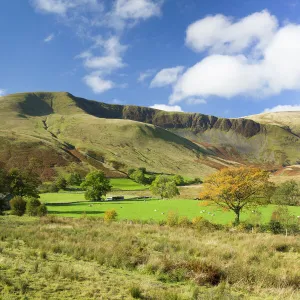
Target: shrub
18, 206
178, 179
110, 215
130, 171
184, 222
61, 183
42, 210
172, 218
275, 227
32, 206
75, 179
52, 188
136, 292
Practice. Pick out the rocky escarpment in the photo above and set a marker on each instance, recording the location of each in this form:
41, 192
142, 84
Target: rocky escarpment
194, 121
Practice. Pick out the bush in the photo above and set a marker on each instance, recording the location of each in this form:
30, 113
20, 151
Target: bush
130, 171
61, 183
42, 210
275, 227
178, 180
75, 179
32, 206
172, 218
18, 206
136, 292
184, 222
110, 215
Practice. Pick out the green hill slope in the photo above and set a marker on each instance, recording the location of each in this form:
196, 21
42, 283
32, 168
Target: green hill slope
64, 131
57, 129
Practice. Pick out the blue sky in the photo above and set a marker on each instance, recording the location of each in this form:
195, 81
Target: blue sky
226, 58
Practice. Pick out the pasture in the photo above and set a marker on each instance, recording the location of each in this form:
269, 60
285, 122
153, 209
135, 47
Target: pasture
74, 205
125, 184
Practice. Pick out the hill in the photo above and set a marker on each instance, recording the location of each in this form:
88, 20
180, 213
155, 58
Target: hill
57, 129
289, 120
66, 132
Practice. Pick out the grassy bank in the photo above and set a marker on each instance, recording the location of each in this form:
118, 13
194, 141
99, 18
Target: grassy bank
58, 258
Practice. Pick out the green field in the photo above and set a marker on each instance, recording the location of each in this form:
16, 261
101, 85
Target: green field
125, 184
150, 209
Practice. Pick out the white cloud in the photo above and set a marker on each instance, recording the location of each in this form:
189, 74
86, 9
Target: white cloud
166, 76
276, 69
49, 38
110, 60
86, 16
167, 107
137, 9
282, 108
97, 84
144, 75
2, 92
61, 7
220, 34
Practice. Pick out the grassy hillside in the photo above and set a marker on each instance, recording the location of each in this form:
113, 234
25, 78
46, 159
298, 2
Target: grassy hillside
57, 129
61, 130
288, 119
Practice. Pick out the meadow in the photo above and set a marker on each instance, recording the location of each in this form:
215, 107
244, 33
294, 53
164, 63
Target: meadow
85, 258
74, 205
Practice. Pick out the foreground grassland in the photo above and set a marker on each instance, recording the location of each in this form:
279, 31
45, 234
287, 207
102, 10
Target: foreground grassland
65, 258
74, 205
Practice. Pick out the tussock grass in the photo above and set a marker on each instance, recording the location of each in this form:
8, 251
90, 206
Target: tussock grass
174, 259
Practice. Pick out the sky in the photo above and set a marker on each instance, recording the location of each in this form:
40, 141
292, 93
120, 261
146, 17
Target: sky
225, 58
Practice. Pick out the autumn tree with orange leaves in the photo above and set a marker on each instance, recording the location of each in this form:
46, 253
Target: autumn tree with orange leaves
237, 188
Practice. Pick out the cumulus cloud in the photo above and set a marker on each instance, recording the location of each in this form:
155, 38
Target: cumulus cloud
279, 108
235, 69
166, 77
167, 107
137, 9
49, 38
110, 60
219, 34
61, 7
98, 84
2, 92
85, 16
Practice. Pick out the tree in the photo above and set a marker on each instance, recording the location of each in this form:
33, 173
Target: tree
287, 193
75, 179
96, 185
18, 206
61, 183
23, 183
269, 191
139, 177
236, 188
178, 179
164, 187
42, 210
130, 171
32, 206
281, 217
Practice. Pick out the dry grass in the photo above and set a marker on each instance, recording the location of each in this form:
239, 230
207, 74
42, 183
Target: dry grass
86, 258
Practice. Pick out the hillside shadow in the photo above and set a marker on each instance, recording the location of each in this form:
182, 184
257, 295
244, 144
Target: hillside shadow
36, 106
